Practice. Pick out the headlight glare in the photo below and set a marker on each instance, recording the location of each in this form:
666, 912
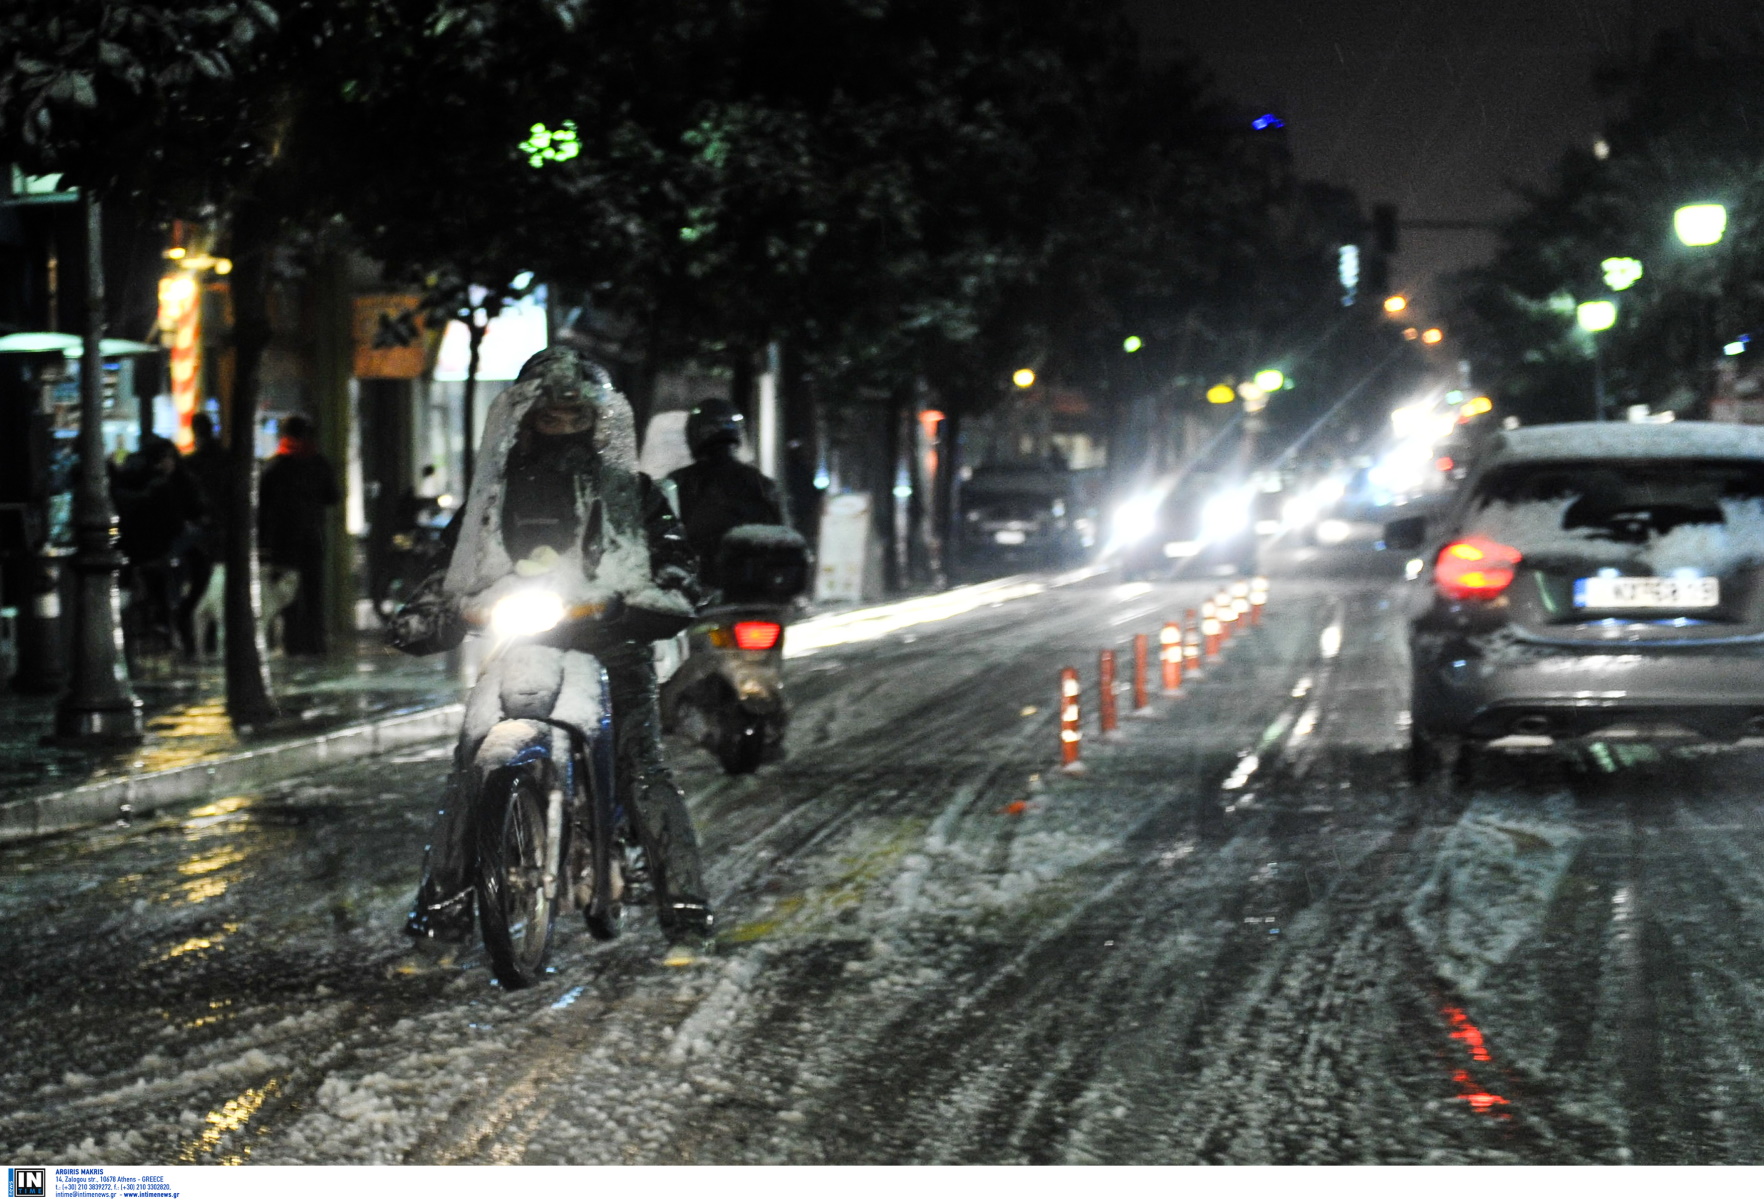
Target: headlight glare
522, 614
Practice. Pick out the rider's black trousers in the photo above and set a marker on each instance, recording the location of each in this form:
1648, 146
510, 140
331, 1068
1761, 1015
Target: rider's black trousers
644, 776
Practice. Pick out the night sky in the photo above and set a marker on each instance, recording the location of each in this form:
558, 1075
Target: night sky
1441, 107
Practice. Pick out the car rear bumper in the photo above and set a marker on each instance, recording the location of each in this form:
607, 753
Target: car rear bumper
1572, 694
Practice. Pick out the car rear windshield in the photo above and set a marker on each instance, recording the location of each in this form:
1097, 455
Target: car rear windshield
1692, 512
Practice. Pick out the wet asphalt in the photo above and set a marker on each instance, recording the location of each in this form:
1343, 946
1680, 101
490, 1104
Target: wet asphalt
1240, 937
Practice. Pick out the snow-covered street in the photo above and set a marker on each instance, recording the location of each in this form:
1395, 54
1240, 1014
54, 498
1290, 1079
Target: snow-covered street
1241, 937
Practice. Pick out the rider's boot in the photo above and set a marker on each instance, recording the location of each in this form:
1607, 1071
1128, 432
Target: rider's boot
443, 908
658, 804
680, 892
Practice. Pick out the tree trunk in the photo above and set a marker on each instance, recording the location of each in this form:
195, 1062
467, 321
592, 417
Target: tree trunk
469, 401
741, 380
249, 700
890, 509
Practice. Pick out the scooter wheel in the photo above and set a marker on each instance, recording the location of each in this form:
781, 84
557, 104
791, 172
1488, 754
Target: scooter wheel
743, 741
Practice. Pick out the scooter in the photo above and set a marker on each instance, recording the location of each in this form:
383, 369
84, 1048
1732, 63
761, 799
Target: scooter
727, 693
550, 832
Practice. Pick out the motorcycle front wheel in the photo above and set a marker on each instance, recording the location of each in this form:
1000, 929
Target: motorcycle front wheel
515, 910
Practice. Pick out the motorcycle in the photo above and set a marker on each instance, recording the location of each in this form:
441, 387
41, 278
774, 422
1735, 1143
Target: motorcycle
549, 828
409, 555
727, 693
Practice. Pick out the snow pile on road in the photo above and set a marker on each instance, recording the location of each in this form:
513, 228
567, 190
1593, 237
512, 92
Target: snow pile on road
1491, 885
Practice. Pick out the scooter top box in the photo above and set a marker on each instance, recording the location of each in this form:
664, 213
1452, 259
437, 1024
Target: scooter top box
763, 563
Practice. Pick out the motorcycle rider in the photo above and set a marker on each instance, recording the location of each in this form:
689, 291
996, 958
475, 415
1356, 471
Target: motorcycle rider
567, 478
718, 491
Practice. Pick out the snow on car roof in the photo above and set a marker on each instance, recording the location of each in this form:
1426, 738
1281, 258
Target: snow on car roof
1580, 440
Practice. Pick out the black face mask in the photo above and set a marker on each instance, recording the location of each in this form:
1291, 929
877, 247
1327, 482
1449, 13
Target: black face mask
570, 454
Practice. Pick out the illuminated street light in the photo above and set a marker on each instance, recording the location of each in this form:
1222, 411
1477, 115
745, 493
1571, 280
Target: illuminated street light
1270, 380
1132, 343
1596, 315
1700, 224
1411, 333
1432, 336
1250, 391
1738, 346
1023, 377
1221, 394
1395, 304
1621, 273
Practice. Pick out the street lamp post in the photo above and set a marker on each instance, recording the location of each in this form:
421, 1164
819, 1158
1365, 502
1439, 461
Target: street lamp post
1697, 225
99, 704
1595, 317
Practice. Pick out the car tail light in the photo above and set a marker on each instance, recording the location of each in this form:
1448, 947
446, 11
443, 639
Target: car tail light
1474, 569
757, 635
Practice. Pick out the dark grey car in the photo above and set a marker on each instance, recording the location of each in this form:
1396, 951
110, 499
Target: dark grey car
1595, 579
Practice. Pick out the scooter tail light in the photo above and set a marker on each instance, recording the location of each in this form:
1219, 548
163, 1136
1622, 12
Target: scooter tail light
1474, 568
757, 635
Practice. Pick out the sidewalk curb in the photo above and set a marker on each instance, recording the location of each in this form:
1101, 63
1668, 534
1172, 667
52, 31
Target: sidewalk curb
109, 800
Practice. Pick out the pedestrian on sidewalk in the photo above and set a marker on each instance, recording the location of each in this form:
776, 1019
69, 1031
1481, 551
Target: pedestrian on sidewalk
207, 465
298, 485
158, 508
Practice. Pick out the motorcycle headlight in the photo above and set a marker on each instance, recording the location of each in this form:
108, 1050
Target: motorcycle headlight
522, 614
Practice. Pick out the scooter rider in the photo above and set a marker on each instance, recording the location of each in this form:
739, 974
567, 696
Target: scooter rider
567, 478
718, 491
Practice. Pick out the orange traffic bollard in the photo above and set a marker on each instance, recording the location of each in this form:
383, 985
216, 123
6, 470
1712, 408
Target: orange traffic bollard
1107, 714
1240, 598
1211, 630
1226, 614
1191, 644
1070, 736
1170, 657
1139, 658
1258, 597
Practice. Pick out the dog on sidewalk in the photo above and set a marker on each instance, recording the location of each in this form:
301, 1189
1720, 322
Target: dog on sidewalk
280, 586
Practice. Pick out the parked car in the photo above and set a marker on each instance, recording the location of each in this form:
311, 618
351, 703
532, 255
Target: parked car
1593, 579
1028, 517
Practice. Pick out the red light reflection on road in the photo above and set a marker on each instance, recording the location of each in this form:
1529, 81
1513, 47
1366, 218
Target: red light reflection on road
1468, 1034
1464, 1031
1469, 1090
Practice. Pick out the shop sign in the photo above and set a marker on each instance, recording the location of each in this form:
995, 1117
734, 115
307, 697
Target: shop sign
389, 337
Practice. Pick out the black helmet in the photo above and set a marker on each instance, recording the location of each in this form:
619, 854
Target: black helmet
712, 422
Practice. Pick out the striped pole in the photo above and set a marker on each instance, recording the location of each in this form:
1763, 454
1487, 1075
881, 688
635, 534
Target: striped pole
1211, 630
1240, 599
1170, 657
1191, 644
1226, 614
1070, 736
1107, 714
1140, 649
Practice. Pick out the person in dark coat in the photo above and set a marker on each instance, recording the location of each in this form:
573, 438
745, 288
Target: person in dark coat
208, 466
718, 491
158, 507
298, 485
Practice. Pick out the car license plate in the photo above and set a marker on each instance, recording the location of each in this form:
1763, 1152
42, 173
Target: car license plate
1647, 592
1010, 537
